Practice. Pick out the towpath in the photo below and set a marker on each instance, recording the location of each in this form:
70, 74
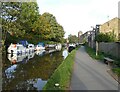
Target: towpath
89, 74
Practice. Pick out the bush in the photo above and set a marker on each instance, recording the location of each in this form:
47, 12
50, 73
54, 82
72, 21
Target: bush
107, 37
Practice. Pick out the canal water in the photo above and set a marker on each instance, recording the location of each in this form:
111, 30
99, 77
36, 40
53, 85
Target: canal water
29, 72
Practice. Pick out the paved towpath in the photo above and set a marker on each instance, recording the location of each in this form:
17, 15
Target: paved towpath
89, 74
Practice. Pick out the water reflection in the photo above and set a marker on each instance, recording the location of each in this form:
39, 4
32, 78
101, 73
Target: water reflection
10, 71
65, 53
39, 84
30, 72
31, 84
14, 58
40, 52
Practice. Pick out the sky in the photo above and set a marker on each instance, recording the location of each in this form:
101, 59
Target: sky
79, 15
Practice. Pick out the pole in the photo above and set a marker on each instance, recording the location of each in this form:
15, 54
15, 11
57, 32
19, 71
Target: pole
96, 48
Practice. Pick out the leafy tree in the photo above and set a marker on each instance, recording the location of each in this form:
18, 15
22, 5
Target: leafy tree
9, 16
22, 21
18, 19
47, 28
59, 33
28, 15
73, 39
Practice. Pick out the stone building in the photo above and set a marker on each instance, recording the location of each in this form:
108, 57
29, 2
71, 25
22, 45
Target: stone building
84, 37
91, 39
111, 26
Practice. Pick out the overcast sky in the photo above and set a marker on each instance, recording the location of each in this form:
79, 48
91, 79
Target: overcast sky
79, 15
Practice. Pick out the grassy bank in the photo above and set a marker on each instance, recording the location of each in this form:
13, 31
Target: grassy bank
62, 74
92, 53
117, 71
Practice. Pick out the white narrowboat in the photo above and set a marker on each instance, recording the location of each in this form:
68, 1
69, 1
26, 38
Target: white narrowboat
39, 47
14, 58
58, 47
30, 48
16, 49
20, 49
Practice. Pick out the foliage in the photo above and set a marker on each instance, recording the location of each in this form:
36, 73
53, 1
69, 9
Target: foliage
73, 39
47, 28
107, 37
117, 71
62, 74
18, 18
84, 41
22, 21
92, 53
8, 17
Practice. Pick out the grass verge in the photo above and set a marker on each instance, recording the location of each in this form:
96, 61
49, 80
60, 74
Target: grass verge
117, 71
62, 74
92, 53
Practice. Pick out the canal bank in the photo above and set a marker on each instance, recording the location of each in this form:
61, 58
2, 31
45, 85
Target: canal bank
60, 80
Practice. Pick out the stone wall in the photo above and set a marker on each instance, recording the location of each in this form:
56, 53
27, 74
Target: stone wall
112, 48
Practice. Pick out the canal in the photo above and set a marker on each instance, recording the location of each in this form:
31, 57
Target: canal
29, 72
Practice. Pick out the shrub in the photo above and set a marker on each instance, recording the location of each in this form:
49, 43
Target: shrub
107, 37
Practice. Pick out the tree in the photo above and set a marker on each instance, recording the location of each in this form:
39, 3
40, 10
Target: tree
18, 18
47, 28
28, 15
22, 21
9, 15
73, 39
58, 34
